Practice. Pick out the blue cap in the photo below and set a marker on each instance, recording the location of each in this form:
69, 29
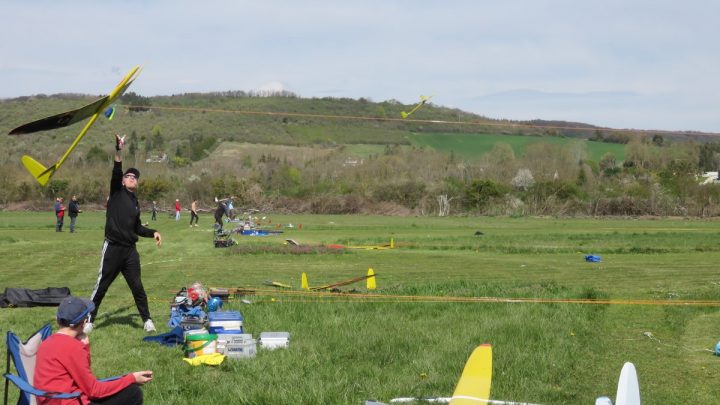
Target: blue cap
73, 310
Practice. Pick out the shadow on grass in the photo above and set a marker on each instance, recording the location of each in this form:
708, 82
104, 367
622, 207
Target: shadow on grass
117, 317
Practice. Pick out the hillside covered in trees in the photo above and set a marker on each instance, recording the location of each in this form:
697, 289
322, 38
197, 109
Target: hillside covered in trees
279, 152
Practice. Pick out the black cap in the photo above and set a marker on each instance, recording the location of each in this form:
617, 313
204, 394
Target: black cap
134, 171
73, 310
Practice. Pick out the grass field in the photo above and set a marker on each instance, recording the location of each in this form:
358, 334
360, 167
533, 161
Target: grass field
345, 350
472, 146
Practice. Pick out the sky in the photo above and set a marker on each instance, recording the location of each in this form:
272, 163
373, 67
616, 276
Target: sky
641, 64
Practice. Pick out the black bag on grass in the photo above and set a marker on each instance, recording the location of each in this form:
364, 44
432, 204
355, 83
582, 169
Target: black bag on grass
23, 297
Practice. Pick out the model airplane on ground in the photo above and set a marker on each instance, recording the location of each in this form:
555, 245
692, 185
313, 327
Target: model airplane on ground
369, 279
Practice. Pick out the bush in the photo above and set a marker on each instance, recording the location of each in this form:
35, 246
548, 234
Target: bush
408, 193
153, 189
479, 193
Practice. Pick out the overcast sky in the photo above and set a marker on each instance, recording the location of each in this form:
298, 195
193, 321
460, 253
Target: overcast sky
645, 64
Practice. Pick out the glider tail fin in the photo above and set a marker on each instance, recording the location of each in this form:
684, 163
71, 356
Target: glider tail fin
304, 282
38, 171
404, 114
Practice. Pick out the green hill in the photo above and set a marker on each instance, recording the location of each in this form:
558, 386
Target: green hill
170, 122
338, 155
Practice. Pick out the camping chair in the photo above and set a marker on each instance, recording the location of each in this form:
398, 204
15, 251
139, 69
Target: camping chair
23, 356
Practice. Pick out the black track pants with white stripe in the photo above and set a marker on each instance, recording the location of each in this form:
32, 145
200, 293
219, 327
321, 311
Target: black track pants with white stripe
116, 259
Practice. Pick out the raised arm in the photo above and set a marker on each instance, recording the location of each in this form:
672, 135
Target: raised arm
116, 179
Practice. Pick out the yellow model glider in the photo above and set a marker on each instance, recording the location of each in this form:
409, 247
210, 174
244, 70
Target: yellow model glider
370, 282
92, 110
423, 100
474, 384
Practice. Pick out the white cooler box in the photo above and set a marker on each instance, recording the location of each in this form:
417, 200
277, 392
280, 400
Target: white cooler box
274, 340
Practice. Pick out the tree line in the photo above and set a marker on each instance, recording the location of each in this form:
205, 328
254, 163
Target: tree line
654, 179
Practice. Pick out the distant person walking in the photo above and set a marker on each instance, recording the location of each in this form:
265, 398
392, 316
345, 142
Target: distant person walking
193, 213
59, 214
74, 209
122, 228
219, 212
177, 209
154, 211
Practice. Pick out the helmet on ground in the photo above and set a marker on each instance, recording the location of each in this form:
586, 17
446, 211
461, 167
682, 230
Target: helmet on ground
215, 304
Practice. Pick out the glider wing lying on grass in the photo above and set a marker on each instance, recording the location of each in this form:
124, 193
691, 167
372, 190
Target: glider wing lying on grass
369, 278
92, 110
473, 386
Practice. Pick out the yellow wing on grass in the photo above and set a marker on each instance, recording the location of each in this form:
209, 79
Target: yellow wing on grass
474, 385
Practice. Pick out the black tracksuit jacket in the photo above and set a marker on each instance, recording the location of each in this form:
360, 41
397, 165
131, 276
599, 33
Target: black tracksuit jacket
122, 218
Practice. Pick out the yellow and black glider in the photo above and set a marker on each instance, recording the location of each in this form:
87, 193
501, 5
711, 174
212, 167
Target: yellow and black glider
423, 100
92, 110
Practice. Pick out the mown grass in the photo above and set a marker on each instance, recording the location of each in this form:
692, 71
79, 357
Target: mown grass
344, 350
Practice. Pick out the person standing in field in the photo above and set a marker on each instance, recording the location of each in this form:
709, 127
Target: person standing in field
59, 214
193, 212
74, 209
154, 211
219, 212
122, 228
230, 211
177, 209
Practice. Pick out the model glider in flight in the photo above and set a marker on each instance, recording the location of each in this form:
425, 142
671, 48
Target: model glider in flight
423, 100
93, 110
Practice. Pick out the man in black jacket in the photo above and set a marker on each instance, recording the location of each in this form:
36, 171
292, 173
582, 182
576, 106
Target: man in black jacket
122, 228
74, 209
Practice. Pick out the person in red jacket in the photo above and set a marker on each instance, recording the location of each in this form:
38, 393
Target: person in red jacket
63, 364
59, 214
178, 208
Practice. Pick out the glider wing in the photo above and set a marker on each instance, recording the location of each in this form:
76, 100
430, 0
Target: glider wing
342, 283
474, 385
93, 110
60, 120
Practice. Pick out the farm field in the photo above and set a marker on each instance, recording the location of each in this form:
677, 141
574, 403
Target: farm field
471, 146
347, 348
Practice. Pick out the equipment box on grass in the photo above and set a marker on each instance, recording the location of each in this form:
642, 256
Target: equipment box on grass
192, 322
274, 340
225, 322
234, 340
241, 349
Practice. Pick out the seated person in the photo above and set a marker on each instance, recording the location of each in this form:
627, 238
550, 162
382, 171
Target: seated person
63, 363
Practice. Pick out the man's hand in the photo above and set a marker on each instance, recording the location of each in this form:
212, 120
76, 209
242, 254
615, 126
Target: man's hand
158, 239
141, 377
119, 142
